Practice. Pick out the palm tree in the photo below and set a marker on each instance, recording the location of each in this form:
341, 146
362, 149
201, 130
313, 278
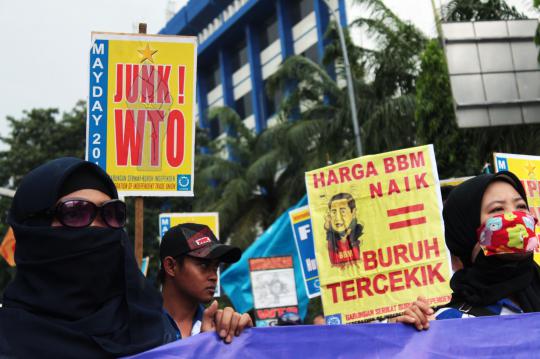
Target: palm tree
236, 180
386, 104
477, 10
257, 177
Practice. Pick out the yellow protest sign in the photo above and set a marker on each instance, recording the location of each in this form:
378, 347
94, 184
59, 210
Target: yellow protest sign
140, 126
378, 234
169, 220
527, 169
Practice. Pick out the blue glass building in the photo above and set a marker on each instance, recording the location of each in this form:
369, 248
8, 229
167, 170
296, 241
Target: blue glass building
242, 43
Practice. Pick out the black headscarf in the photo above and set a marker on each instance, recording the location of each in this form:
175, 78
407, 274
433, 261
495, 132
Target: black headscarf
77, 293
488, 279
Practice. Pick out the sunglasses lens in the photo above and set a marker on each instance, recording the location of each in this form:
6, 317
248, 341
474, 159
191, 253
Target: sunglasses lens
114, 213
76, 213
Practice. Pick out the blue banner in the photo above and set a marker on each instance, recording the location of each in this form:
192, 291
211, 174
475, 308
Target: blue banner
511, 336
276, 241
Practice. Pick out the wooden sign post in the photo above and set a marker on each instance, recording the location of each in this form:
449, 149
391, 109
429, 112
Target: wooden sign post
139, 205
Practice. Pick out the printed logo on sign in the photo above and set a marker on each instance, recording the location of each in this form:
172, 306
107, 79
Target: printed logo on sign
502, 164
183, 183
202, 241
333, 319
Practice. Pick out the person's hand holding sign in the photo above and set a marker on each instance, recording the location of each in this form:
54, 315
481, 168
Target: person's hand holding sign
418, 314
226, 322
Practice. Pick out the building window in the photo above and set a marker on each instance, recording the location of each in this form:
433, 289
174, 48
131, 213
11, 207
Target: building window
213, 77
244, 106
300, 9
269, 32
312, 53
272, 102
239, 56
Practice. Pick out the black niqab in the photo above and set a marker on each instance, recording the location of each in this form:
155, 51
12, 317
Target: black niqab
77, 292
490, 278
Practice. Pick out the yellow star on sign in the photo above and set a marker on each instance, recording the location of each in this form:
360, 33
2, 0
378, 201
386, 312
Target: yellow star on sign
530, 169
147, 54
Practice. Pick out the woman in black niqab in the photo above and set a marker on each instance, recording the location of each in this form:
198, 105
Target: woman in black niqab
77, 292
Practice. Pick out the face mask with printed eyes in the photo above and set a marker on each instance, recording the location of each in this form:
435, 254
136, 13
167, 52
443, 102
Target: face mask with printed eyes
509, 232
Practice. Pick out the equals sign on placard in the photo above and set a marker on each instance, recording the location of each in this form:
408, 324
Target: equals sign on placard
413, 210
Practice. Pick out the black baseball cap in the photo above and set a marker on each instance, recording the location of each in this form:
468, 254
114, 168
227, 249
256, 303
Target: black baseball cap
196, 240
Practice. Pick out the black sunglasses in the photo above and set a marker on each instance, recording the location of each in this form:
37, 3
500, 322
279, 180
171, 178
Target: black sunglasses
79, 213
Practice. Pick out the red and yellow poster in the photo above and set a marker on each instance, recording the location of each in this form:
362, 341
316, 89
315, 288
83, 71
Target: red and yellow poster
169, 220
527, 169
378, 234
140, 126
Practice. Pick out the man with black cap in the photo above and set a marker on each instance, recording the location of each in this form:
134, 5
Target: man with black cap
190, 256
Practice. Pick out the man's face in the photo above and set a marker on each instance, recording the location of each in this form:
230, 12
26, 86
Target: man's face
197, 278
341, 215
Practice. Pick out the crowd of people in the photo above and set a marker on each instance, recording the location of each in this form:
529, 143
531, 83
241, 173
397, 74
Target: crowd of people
78, 291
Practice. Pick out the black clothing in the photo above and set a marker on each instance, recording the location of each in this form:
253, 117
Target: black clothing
461, 212
77, 293
489, 279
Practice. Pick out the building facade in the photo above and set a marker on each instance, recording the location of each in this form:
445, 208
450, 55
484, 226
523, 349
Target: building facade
242, 43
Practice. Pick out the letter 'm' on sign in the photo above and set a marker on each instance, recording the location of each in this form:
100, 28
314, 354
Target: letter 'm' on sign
501, 163
98, 49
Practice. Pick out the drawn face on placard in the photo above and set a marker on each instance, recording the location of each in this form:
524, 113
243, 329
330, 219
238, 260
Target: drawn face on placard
343, 230
341, 216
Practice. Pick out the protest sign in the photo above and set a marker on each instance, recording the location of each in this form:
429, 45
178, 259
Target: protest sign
277, 240
210, 219
454, 181
303, 239
378, 234
274, 288
140, 126
527, 169
168, 220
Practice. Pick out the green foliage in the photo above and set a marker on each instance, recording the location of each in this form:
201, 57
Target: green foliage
476, 10
460, 152
40, 136
394, 62
236, 179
